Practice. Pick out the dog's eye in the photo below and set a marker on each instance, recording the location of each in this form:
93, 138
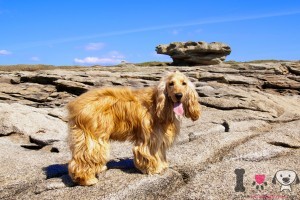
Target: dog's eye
171, 84
183, 83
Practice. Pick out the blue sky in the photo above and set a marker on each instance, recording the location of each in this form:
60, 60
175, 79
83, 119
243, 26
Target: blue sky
89, 32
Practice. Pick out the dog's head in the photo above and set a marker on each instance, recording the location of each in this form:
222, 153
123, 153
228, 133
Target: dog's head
176, 94
286, 177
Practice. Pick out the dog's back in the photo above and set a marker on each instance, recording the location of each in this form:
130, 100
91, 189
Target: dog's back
119, 109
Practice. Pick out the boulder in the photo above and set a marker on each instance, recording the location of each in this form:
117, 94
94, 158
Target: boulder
41, 126
195, 53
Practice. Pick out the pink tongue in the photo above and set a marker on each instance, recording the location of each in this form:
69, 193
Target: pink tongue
178, 109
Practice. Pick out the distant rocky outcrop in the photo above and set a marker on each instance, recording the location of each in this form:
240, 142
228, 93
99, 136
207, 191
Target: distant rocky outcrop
250, 120
195, 53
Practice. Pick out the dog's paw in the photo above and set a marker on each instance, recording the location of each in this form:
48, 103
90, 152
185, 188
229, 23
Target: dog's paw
165, 165
156, 170
89, 182
104, 168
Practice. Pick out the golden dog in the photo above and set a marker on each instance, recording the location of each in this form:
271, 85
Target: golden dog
148, 117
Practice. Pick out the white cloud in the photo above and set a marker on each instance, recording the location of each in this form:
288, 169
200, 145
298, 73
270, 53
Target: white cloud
94, 46
4, 52
35, 58
97, 60
111, 58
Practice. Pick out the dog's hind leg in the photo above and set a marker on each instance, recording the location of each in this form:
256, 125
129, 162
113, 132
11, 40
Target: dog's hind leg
89, 157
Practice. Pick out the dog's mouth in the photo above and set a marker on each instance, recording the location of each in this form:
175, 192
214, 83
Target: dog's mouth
178, 108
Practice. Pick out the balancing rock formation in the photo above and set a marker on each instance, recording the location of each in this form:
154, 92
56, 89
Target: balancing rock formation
195, 53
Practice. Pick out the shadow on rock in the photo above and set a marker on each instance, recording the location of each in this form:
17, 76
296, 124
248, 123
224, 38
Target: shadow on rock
56, 170
61, 171
124, 164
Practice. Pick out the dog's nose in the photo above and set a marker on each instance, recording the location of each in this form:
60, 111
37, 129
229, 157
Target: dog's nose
178, 96
286, 180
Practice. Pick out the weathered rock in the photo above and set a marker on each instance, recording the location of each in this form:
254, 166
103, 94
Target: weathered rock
257, 155
39, 78
41, 128
21, 168
280, 82
32, 92
195, 53
71, 87
293, 67
250, 119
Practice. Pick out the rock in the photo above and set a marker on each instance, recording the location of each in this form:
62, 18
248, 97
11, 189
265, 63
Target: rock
34, 93
41, 128
209, 186
22, 168
195, 53
60, 113
39, 78
71, 87
8, 78
25, 131
250, 119
293, 67
266, 68
280, 82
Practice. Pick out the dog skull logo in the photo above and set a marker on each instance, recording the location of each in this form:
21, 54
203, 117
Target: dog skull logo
286, 178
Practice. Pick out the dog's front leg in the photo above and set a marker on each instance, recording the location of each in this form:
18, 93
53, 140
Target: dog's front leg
162, 156
147, 160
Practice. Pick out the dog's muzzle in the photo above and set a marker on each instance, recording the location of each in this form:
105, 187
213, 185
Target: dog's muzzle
286, 180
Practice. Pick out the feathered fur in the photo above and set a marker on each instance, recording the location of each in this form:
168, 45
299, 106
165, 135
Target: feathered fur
143, 116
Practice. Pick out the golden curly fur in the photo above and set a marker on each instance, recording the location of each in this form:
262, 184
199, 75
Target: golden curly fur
146, 117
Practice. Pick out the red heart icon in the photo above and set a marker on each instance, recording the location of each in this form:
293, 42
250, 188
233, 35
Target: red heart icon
260, 178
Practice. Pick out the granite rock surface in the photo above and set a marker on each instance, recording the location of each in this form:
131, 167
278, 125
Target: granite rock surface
250, 120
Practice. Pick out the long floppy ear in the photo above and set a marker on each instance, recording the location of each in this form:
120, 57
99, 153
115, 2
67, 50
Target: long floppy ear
274, 179
297, 179
161, 97
192, 107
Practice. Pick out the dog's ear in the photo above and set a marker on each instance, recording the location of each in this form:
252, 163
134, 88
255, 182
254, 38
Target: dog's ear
192, 106
161, 97
297, 179
274, 179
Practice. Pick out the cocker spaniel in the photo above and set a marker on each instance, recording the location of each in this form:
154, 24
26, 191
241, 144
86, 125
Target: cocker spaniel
148, 117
